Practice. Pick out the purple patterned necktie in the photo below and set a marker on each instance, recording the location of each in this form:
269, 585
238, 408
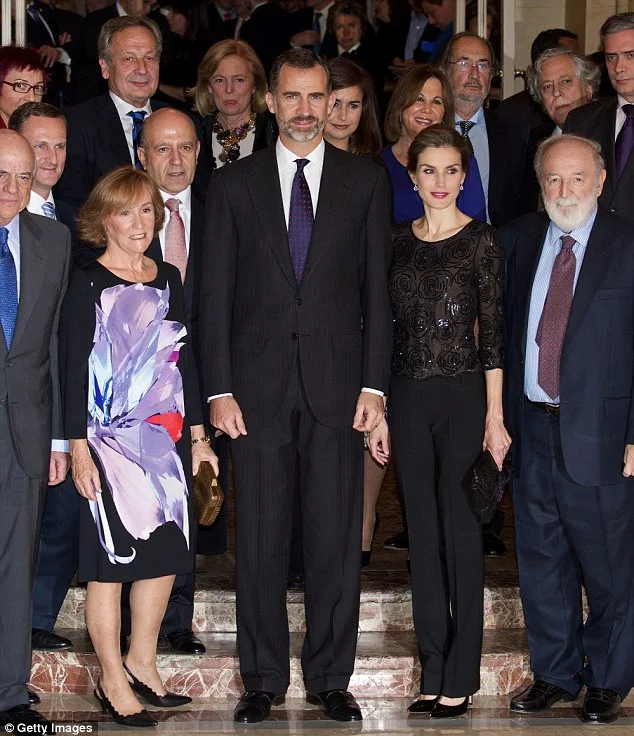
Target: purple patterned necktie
625, 140
554, 319
300, 219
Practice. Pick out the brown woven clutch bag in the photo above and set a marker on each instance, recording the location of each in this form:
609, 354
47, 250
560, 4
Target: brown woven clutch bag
208, 495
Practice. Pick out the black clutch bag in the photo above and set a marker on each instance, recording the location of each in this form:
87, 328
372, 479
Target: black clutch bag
486, 485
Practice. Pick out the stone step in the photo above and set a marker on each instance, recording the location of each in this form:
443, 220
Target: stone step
386, 666
386, 604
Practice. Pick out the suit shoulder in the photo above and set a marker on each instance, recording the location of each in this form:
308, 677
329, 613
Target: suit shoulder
44, 227
582, 116
362, 167
513, 229
85, 110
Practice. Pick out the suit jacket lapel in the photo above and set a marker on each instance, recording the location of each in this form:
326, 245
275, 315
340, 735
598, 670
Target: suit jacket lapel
118, 142
604, 134
497, 146
32, 263
595, 263
266, 194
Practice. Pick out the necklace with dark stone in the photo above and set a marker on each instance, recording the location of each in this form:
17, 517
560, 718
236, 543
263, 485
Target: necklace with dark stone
230, 139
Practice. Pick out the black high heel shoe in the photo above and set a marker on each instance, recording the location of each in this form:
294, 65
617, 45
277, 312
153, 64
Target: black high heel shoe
135, 720
449, 711
423, 706
169, 700
367, 556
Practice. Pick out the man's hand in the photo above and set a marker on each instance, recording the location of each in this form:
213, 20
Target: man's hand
226, 417
49, 55
58, 467
628, 461
305, 38
379, 443
370, 411
398, 66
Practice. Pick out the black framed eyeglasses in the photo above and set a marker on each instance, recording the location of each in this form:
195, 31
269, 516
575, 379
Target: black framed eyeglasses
24, 88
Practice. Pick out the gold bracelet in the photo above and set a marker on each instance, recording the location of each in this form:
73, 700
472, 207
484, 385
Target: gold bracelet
201, 439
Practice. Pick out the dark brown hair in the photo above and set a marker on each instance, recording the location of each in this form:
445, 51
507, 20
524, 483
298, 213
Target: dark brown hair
347, 7
296, 58
437, 136
116, 190
366, 139
405, 94
33, 110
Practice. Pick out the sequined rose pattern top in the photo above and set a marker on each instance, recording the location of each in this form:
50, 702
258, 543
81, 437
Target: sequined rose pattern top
438, 290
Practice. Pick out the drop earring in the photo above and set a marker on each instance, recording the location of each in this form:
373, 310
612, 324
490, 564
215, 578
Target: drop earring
415, 187
461, 187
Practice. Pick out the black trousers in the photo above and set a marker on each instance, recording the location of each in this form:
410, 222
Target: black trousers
567, 534
437, 428
324, 466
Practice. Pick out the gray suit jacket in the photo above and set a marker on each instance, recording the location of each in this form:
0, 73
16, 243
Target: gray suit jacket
29, 379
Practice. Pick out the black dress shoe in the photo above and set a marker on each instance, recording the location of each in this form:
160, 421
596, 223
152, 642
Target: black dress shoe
449, 711
339, 705
169, 700
600, 706
295, 581
21, 714
123, 644
255, 706
493, 546
41, 639
34, 698
399, 541
540, 695
366, 555
184, 641
422, 706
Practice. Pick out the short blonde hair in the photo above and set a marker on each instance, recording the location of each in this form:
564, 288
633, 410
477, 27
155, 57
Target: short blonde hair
203, 99
113, 192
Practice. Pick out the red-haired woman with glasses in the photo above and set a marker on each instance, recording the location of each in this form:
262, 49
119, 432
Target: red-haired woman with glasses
22, 79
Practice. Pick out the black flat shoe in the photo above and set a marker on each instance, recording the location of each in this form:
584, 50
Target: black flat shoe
255, 706
295, 581
185, 642
449, 711
399, 541
169, 700
135, 720
600, 706
538, 696
366, 555
34, 698
21, 714
48, 641
339, 705
422, 706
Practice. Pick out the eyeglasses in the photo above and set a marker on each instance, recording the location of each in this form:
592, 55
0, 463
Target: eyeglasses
464, 64
24, 88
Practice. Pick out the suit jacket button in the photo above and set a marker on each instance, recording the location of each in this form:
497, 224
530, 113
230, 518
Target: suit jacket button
613, 209
294, 336
299, 301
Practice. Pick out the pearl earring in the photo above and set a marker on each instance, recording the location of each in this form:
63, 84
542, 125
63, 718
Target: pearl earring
415, 187
461, 187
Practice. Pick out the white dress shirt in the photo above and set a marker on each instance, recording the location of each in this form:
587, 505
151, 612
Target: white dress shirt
36, 201
14, 247
185, 211
123, 108
341, 50
620, 116
323, 19
120, 9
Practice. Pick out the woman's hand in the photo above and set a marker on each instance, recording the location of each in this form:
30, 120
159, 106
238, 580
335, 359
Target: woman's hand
202, 452
496, 439
84, 471
379, 443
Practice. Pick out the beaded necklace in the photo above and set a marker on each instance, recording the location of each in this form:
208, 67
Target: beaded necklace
230, 139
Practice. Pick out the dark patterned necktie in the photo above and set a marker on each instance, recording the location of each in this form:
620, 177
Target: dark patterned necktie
8, 288
300, 219
137, 124
554, 319
465, 126
625, 140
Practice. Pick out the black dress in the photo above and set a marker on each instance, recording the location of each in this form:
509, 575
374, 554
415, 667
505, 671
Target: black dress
127, 376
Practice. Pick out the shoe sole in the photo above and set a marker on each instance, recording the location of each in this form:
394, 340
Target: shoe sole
600, 720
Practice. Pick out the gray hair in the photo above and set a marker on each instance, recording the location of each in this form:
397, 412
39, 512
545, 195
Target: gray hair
546, 145
616, 23
586, 70
115, 25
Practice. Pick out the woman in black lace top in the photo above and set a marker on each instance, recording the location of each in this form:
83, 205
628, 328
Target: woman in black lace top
445, 406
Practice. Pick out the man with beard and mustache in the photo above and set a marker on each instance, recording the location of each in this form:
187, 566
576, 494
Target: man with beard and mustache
570, 409
295, 260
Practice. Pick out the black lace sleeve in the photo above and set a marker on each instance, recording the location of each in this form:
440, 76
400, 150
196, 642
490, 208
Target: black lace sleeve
489, 277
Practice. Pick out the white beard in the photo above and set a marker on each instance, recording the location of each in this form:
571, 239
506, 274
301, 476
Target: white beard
570, 213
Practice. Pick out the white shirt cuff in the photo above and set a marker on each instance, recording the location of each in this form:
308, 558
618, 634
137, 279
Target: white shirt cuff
373, 391
60, 446
64, 56
217, 396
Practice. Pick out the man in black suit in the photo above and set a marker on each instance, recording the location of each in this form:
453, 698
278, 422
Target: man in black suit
570, 409
265, 30
222, 18
104, 132
610, 122
293, 379
34, 262
169, 152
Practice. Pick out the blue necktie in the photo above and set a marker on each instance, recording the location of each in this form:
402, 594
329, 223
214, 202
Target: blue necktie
137, 124
49, 210
300, 219
317, 28
8, 288
471, 199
